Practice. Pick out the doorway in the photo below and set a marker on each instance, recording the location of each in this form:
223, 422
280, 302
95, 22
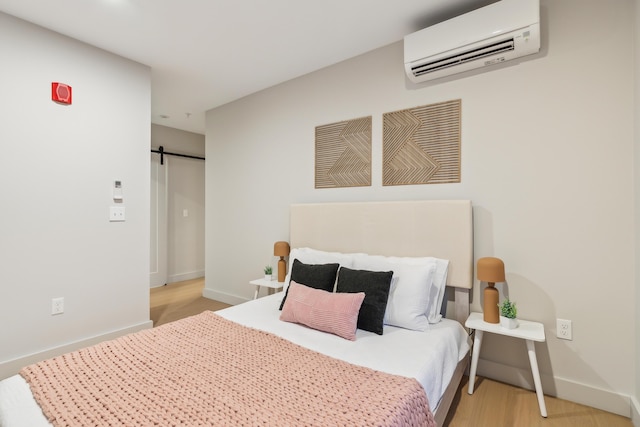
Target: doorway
177, 186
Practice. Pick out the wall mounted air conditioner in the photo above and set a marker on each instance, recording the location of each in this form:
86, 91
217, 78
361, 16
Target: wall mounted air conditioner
490, 35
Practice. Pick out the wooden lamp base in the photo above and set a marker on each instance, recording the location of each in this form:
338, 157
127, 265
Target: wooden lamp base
282, 269
490, 309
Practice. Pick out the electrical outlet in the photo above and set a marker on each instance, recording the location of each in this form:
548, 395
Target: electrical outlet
57, 306
564, 331
116, 213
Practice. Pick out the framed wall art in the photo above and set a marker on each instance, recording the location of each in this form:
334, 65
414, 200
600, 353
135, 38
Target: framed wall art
421, 145
343, 154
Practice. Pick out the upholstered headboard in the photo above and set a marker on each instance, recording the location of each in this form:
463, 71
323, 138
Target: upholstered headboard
438, 228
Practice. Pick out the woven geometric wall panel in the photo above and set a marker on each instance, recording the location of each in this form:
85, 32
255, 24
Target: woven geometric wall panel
343, 154
422, 145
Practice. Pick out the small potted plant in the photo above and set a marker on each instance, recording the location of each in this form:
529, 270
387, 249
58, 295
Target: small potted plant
508, 312
267, 272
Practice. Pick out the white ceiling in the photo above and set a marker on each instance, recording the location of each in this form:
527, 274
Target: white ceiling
205, 53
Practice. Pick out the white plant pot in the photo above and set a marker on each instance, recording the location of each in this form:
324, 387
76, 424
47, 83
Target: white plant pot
505, 322
267, 277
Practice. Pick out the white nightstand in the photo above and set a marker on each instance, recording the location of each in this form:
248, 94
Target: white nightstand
272, 285
528, 331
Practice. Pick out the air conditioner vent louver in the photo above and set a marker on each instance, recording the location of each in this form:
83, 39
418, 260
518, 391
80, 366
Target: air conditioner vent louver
471, 55
502, 31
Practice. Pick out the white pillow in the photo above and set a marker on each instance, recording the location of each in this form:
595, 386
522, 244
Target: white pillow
417, 288
439, 282
314, 256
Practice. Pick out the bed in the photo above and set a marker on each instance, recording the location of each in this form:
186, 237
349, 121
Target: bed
283, 372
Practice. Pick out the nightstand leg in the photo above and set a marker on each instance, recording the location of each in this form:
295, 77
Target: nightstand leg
477, 342
531, 349
255, 295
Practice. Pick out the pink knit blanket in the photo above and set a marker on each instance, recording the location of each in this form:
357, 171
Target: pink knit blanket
208, 371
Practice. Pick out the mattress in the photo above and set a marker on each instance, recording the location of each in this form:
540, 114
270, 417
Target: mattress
430, 356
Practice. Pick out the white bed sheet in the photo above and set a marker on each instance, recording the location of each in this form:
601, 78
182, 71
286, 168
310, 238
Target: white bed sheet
430, 357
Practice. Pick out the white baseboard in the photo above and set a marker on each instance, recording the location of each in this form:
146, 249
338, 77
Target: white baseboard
605, 400
635, 411
185, 276
223, 297
11, 367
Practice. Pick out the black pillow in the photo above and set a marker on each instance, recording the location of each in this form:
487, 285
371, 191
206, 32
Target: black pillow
318, 276
375, 285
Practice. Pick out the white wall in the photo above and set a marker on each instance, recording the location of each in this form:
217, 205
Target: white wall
57, 166
185, 191
635, 408
176, 140
547, 159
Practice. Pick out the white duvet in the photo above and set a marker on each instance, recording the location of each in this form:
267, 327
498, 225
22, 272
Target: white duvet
430, 357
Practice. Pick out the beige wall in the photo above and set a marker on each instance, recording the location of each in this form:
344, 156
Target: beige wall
57, 166
176, 140
547, 159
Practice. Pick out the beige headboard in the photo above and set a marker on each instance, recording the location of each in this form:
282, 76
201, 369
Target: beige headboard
438, 228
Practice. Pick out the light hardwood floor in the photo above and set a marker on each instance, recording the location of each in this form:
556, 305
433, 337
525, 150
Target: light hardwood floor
178, 300
492, 404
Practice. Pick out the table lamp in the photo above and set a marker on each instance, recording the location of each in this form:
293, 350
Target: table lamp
490, 270
281, 249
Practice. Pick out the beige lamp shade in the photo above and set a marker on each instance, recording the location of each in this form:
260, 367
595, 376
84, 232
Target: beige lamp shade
281, 249
490, 270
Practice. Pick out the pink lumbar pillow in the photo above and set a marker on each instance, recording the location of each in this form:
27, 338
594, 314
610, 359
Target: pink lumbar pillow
322, 310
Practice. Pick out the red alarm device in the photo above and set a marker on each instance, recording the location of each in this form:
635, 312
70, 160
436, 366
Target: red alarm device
61, 93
